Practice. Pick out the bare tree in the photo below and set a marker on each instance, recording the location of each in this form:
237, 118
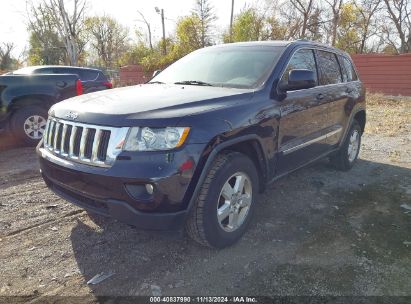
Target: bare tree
305, 8
367, 10
399, 12
335, 6
205, 13
5, 55
69, 25
144, 20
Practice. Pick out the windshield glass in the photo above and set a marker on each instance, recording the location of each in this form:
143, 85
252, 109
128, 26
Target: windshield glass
236, 67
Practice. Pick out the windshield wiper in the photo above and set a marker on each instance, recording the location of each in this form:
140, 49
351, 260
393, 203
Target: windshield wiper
155, 82
194, 82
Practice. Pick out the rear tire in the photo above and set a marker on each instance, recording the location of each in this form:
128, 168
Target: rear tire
28, 124
225, 204
346, 156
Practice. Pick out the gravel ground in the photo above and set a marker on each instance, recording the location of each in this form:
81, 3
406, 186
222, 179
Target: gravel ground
316, 232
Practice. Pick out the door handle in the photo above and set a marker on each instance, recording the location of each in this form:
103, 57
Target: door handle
61, 84
320, 96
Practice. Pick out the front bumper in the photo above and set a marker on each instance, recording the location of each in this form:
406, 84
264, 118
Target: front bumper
118, 191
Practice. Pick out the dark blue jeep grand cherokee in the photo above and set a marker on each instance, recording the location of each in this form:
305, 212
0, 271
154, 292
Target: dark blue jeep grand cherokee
193, 147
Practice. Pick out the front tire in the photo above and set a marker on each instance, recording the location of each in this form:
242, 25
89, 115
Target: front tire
225, 204
346, 156
28, 124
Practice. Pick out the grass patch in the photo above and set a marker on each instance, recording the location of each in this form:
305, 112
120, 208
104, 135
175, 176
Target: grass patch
388, 115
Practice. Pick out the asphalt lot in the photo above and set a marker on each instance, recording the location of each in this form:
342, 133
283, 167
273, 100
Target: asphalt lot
316, 232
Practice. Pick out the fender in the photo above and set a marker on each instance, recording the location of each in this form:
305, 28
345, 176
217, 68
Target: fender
211, 158
353, 113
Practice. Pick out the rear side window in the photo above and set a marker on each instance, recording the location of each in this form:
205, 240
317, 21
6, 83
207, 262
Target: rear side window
85, 75
302, 59
102, 77
330, 69
349, 73
44, 71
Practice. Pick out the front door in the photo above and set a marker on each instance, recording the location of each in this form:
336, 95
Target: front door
303, 122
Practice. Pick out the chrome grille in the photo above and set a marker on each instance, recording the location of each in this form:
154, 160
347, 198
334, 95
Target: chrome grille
83, 143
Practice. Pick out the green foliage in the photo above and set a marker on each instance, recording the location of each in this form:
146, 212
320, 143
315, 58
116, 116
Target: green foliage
188, 33
188, 39
108, 40
253, 25
45, 44
247, 26
348, 28
48, 52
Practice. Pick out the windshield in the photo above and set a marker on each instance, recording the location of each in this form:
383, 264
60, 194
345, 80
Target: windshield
236, 67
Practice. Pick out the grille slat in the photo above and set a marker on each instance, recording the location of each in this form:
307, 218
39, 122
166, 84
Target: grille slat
63, 138
72, 138
56, 136
51, 134
46, 133
96, 145
83, 142
93, 145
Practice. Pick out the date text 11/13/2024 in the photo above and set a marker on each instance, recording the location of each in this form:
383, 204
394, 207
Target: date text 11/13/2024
203, 299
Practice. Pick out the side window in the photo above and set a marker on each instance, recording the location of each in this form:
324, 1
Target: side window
61, 71
302, 59
87, 75
44, 71
330, 69
348, 70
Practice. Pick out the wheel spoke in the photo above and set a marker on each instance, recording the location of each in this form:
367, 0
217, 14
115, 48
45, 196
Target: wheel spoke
239, 184
223, 212
233, 220
227, 192
245, 200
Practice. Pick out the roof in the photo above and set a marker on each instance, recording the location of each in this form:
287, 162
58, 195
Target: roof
60, 66
281, 43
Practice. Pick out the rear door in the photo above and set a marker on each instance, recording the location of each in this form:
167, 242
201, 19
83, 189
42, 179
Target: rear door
335, 93
303, 121
340, 109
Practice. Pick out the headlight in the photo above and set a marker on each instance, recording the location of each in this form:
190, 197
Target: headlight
154, 139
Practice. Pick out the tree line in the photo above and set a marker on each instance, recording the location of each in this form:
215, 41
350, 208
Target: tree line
63, 32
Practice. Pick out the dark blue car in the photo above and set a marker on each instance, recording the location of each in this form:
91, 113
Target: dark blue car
192, 148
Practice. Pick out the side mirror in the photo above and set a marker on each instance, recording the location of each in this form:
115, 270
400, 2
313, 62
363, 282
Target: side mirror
298, 80
156, 72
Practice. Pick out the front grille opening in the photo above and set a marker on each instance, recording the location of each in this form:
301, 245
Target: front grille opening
77, 140
66, 146
102, 149
59, 134
88, 149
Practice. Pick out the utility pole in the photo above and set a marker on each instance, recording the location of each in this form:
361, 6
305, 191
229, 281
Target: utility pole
161, 12
231, 21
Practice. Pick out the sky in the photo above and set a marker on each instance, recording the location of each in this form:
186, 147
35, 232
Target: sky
13, 16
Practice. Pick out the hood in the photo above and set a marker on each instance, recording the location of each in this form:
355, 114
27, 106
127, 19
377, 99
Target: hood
125, 106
